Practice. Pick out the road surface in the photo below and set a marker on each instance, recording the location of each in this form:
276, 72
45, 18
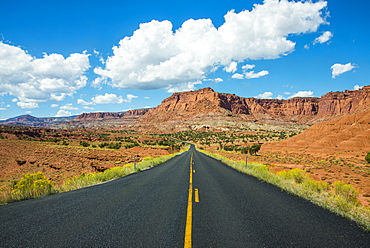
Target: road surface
190, 201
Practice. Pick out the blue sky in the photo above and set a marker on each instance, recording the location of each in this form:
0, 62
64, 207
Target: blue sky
62, 58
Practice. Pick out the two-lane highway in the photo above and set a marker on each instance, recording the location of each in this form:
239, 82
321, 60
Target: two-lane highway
189, 201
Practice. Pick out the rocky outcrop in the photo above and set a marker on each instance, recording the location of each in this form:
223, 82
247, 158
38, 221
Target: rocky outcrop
347, 102
105, 119
207, 104
108, 115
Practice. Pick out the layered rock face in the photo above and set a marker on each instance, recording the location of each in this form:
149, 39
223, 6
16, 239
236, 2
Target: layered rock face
108, 115
207, 105
105, 119
347, 102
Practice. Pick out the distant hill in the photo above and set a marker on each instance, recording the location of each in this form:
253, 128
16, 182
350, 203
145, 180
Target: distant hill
31, 121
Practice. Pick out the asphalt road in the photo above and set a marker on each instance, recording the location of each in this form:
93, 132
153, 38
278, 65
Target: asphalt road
151, 209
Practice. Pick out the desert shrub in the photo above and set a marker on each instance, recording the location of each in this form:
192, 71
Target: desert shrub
102, 145
32, 186
296, 174
346, 191
114, 145
367, 157
315, 186
84, 144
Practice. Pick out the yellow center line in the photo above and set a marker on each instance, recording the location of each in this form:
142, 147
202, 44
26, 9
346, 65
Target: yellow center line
189, 215
196, 192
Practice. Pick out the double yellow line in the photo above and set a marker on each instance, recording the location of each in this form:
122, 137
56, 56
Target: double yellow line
189, 215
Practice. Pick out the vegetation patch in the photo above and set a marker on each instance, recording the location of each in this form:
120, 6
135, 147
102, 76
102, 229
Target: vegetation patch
340, 198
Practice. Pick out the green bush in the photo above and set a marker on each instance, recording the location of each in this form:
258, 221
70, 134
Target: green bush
32, 186
367, 157
84, 144
114, 146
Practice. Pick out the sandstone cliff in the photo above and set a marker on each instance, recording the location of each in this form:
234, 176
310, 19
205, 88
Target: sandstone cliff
105, 119
206, 106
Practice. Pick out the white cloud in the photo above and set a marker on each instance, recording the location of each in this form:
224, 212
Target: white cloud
54, 105
50, 78
2, 108
253, 74
338, 69
82, 102
238, 76
68, 107
325, 37
14, 100
218, 80
156, 57
107, 98
357, 87
248, 67
302, 94
266, 95
86, 107
27, 105
233, 67
62, 113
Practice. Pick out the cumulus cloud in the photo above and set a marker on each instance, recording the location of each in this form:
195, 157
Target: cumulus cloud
50, 78
156, 57
27, 105
86, 107
325, 37
68, 107
107, 98
217, 80
357, 87
266, 95
233, 67
338, 69
248, 67
62, 113
252, 74
238, 76
303, 94
249, 74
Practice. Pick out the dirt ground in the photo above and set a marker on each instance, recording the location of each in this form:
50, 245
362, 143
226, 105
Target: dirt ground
59, 162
